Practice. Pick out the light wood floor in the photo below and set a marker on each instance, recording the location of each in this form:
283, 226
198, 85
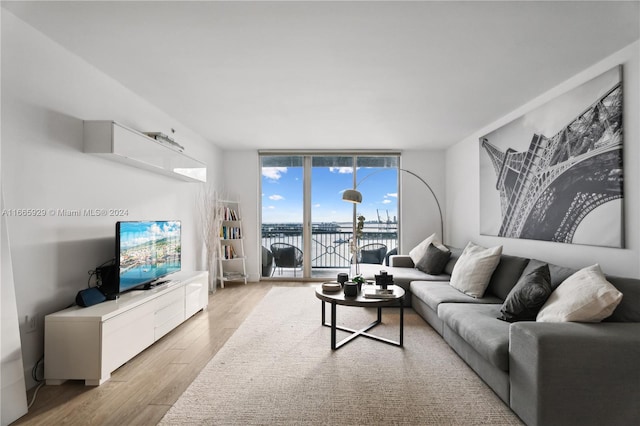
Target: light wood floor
142, 391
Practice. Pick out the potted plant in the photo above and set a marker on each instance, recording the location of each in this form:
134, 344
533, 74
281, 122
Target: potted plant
358, 279
356, 237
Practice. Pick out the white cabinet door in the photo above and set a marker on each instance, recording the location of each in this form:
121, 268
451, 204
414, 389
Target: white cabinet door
169, 312
126, 335
196, 295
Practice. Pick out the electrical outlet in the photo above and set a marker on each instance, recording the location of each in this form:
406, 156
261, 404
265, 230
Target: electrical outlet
31, 323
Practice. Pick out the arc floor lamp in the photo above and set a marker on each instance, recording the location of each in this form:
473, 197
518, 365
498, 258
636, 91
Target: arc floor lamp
355, 196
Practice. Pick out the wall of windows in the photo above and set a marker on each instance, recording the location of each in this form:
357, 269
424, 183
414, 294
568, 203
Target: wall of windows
302, 209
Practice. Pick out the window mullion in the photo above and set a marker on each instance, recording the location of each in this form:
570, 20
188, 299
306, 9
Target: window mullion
306, 228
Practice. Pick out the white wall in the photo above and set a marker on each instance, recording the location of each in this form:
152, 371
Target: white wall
462, 171
418, 214
47, 92
241, 182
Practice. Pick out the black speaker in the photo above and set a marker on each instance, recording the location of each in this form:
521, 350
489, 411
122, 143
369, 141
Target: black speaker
107, 280
89, 297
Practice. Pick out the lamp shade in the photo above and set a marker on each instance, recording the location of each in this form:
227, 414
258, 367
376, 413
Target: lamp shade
352, 196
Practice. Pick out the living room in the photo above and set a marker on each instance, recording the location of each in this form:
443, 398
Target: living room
417, 77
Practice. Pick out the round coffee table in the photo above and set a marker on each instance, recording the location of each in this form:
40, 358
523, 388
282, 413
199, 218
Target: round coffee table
338, 298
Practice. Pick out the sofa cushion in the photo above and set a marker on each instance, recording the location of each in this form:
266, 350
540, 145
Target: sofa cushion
434, 293
420, 250
506, 275
434, 260
455, 255
473, 270
585, 296
477, 324
629, 308
401, 261
527, 297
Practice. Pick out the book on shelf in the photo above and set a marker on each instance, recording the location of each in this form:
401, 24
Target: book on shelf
379, 293
229, 252
229, 214
230, 232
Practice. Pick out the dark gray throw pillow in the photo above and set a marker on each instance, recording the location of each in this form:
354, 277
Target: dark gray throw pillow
528, 295
434, 260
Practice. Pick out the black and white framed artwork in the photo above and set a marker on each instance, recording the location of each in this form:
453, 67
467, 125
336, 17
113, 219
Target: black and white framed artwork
555, 173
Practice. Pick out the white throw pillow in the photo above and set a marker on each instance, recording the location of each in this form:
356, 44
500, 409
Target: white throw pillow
474, 268
585, 296
417, 253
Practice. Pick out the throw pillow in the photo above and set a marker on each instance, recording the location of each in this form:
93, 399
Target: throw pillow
527, 297
434, 260
473, 270
585, 296
418, 252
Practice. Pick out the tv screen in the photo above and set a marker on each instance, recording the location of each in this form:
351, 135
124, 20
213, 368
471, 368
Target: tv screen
146, 251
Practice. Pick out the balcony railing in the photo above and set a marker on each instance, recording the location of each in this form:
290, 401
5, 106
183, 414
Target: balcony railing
329, 246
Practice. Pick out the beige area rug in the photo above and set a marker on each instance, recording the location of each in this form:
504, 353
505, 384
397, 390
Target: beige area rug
278, 369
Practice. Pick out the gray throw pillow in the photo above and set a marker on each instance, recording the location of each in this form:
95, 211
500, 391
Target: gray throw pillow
433, 261
528, 295
418, 252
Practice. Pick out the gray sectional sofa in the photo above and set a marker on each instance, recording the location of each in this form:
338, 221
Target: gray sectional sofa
548, 373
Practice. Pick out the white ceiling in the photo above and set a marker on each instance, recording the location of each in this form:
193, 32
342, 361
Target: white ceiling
357, 75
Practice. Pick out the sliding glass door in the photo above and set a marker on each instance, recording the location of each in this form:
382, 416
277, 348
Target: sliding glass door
332, 224
307, 228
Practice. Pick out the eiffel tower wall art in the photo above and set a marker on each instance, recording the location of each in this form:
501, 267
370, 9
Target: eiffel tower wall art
555, 173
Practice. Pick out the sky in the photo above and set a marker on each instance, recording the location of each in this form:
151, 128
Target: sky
282, 194
135, 233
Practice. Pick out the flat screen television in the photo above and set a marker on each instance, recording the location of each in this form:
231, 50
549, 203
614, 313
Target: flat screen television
146, 251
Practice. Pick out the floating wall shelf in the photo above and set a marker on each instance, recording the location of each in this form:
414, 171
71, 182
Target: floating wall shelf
122, 144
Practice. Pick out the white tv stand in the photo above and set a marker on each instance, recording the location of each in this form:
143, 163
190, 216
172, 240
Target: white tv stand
89, 343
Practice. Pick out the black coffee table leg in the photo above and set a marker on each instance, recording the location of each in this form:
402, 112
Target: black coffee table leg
401, 321
333, 326
362, 332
